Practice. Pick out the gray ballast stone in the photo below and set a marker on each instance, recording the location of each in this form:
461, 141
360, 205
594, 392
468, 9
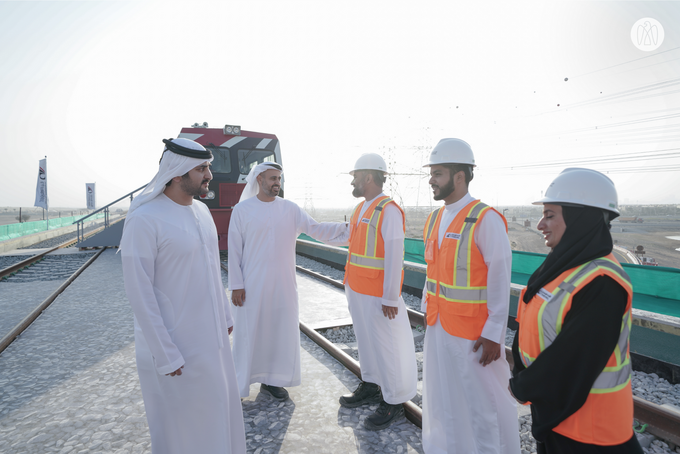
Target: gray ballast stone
647, 386
69, 383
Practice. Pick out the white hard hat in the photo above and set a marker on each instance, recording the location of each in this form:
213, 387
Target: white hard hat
582, 187
451, 151
370, 161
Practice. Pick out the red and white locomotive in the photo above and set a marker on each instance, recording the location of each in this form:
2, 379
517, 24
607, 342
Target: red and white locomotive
235, 152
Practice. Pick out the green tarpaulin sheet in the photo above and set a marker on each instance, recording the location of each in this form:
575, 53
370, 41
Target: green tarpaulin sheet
657, 289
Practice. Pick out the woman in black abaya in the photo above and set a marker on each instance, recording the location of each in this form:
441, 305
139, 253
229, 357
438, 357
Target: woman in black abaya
577, 209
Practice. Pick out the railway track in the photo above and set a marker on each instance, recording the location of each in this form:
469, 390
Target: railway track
24, 264
53, 272
660, 421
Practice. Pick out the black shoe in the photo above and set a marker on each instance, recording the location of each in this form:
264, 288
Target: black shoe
276, 392
385, 415
366, 393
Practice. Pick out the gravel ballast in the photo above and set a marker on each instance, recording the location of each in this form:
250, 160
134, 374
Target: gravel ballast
646, 386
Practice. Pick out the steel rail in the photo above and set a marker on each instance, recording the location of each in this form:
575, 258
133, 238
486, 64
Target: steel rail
35, 258
25, 263
661, 422
30, 318
412, 411
416, 318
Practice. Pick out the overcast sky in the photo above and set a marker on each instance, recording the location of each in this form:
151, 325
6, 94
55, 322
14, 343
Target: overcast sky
95, 86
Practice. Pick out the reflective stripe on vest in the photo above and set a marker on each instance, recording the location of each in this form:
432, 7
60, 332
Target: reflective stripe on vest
456, 283
461, 290
368, 259
433, 220
551, 315
365, 267
375, 263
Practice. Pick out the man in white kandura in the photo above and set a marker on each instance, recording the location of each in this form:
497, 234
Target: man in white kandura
182, 318
467, 408
262, 234
373, 280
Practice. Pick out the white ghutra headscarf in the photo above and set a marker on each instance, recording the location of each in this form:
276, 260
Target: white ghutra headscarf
174, 163
251, 180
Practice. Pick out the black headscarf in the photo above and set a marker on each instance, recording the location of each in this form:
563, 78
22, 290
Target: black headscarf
586, 238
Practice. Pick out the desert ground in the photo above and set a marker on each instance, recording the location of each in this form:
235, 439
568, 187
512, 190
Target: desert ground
652, 234
659, 223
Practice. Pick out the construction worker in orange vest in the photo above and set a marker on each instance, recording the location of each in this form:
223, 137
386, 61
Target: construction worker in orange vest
467, 408
373, 280
571, 352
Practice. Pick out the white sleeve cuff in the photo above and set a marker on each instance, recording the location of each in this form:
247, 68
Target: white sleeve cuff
391, 303
494, 332
179, 362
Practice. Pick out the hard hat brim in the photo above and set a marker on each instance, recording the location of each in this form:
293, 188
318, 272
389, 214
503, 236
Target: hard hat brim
560, 201
351, 172
450, 164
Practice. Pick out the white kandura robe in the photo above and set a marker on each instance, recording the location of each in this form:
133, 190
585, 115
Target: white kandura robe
173, 282
262, 235
386, 349
467, 408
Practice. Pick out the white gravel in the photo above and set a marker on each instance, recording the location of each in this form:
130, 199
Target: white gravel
646, 386
412, 302
655, 389
320, 268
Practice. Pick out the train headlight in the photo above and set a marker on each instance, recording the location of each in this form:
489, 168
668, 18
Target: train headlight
232, 130
210, 195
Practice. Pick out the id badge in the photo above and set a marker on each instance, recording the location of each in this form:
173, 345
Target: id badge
429, 250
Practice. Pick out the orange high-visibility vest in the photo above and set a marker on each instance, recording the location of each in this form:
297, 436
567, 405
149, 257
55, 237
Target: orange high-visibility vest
365, 268
456, 272
606, 418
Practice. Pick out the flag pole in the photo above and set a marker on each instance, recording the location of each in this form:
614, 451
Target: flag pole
41, 199
47, 203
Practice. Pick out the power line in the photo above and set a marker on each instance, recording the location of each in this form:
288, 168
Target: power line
611, 125
646, 169
626, 62
621, 141
667, 153
655, 95
637, 169
647, 66
625, 93
616, 97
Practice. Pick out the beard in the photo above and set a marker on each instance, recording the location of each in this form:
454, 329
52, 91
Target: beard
194, 191
271, 191
445, 191
358, 191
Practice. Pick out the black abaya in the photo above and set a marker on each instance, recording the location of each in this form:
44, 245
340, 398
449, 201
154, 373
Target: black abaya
558, 382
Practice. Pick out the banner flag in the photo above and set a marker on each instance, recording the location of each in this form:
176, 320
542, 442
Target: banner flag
41, 187
91, 196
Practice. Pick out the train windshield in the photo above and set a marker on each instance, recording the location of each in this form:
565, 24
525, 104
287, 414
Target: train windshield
247, 159
221, 160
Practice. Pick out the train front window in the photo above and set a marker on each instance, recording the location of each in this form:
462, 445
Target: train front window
247, 159
221, 161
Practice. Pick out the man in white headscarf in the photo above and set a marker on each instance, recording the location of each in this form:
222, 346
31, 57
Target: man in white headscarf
182, 316
262, 234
